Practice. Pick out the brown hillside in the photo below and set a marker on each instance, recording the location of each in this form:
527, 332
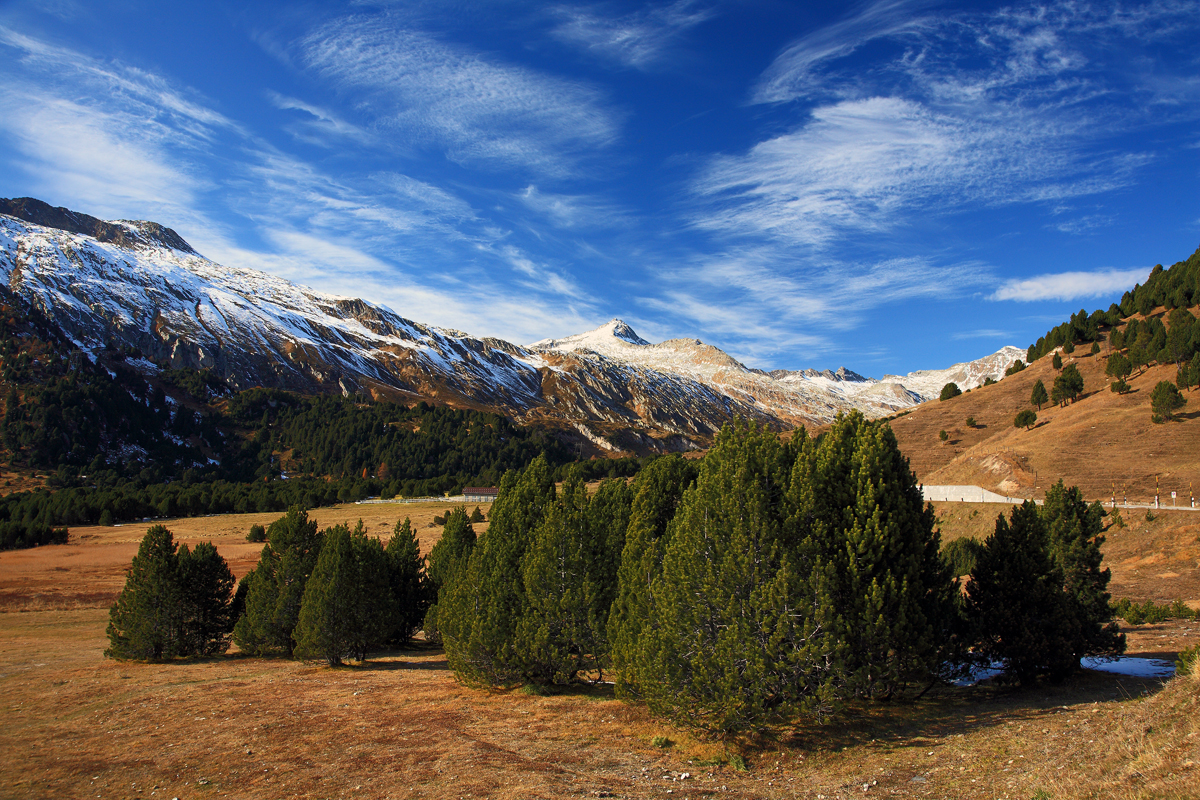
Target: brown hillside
1101, 440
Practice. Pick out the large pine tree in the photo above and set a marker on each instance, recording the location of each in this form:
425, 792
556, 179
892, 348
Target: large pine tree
144, 622
875, 554
409, 582
1074, 529
479, 610
348, 608
205, 588
728, 644
560, 631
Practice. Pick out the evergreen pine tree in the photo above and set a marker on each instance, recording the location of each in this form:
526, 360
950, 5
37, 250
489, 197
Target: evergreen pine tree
452, 550
657, 491
276, 585
1015, 601
1075, 540
410, 587
1165, 400
144, 623
876, 554
1039, 395
1056, 361
729, 646
205, 584
558, 636
479, 610
1194, 370
608, 521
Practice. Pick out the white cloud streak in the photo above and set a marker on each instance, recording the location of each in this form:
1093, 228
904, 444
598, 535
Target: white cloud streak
1069, 285
479, 110
641, 40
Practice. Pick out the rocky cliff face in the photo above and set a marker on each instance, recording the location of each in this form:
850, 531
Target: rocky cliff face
139, 284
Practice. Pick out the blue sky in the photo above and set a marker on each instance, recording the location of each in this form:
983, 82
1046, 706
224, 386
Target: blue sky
890, 186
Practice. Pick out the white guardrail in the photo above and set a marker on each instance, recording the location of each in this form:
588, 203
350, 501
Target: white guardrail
977, 494
370, 501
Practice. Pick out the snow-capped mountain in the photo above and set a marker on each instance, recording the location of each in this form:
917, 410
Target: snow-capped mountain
139, 284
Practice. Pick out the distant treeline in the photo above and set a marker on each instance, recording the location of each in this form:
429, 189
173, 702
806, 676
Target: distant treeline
1177, 287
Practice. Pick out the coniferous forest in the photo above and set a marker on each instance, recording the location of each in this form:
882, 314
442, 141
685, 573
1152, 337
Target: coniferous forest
768, 581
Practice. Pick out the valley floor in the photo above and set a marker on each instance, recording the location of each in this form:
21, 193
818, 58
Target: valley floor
75, 724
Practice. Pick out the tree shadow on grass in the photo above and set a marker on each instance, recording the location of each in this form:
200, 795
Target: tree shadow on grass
948, 711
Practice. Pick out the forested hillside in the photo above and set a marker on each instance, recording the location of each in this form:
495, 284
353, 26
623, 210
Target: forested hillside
1174, 288
116, 443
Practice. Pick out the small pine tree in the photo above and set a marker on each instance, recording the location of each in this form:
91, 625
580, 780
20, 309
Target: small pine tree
1118, 366
1183, 376
1095, 348
1039, 395
477, 515
144, 622
276, 585
257, 534
950, 390
970, 422
943, 435
1026, 419
1119, 386
409, 584
1165, 400
1069, 347
1015, 601
1056, 362
1194, 370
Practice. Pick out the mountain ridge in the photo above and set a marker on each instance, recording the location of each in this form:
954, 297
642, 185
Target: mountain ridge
139, 284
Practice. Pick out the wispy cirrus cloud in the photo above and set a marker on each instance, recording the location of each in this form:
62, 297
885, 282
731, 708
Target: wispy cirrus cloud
572, 211
798, 70
478, 109
1069, 285
982, 333
641, 40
